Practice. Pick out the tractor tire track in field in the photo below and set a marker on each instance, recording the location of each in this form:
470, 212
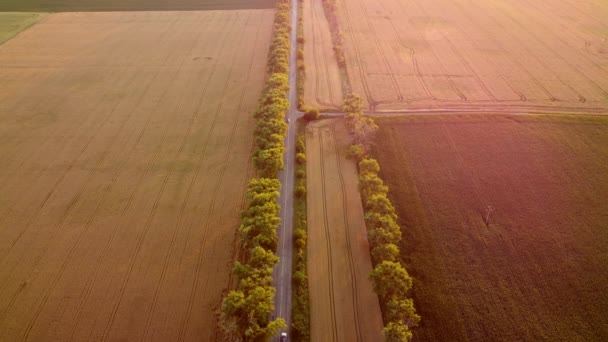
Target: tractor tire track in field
72, 163
472, 70
383, 57
362, 72
515, 61
151, 215
437, 60
317, 36
104, 253
345, 216
191, 185
334, 329
186, 320
581, 98
62, 218
46, 198
578, 53
118, 171
40, 105
62, 268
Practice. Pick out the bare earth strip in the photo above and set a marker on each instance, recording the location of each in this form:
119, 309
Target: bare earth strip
125, 141
343, 306
323, 88
412, 54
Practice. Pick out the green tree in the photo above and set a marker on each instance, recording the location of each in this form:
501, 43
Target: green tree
369, 165
402, 310
311, 114
390, 279
370, 184
353, 104
380, 204
356, 151
385, 252
397, 332
300, 158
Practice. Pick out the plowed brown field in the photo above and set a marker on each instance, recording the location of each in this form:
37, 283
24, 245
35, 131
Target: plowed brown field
539, 270
323, 88
521, 54
124, 150
343, 306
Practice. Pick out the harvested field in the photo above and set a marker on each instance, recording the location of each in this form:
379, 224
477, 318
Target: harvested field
12, 23
539, 271
323, 88
343, 306
442, 54
125, 143
129, 5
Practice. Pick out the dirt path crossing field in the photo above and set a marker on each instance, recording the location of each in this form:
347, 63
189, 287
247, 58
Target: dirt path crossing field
125, 143
343, 305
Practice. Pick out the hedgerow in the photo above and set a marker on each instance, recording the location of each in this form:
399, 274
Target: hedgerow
245, 311
331, 8
390, 279
300, 312
270, 127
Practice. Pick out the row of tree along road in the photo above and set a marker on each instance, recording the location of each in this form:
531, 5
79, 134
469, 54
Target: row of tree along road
390, 279
246, 311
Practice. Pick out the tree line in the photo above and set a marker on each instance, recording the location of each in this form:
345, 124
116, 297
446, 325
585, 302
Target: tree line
245, 313
300, 312
331, 14
270, 127
390, 279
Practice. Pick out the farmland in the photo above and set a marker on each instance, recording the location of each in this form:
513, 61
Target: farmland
343, 306
539, 270
516, 55
13, 23
125, 144
129, 5
323, 88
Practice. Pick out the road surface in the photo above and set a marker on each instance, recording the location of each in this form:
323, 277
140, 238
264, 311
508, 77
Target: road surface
283, 270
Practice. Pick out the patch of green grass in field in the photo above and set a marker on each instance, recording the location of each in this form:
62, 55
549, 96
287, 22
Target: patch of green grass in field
12, 23
539, 270
128, 5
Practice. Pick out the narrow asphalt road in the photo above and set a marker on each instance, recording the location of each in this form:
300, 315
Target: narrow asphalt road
283, 270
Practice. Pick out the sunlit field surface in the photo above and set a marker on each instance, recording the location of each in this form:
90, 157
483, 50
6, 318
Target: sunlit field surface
125, 142
539, 270
504, 54
128, 5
